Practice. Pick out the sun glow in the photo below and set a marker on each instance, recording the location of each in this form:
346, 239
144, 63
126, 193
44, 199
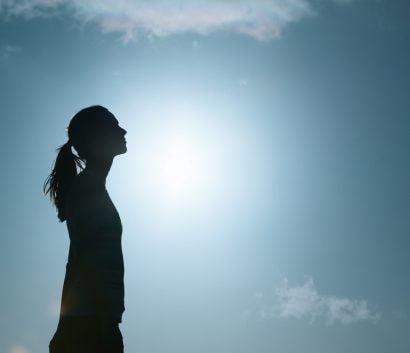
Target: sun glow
179, 167
178, 156
183, 172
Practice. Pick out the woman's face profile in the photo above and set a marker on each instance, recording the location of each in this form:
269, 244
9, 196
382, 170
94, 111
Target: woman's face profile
109, 137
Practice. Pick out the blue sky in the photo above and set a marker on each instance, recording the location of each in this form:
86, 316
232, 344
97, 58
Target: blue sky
265, 193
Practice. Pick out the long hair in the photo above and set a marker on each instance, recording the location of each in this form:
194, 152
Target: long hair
67, 164
63, 172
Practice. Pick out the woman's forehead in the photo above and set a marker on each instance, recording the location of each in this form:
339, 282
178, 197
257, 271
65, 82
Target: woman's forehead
108, 119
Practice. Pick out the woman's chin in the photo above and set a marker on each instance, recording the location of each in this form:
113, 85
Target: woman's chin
123, 150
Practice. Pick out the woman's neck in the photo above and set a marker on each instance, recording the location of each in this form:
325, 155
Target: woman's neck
99, 168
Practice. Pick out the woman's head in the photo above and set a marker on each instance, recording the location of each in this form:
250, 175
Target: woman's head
95, 134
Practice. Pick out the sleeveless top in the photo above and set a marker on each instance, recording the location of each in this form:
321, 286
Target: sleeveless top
94, 279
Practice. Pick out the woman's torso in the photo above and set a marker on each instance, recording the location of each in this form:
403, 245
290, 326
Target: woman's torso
94, 280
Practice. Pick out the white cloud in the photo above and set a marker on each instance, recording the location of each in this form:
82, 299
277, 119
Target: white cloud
347, 311
298, 302
29, 8
305, 302
260, 19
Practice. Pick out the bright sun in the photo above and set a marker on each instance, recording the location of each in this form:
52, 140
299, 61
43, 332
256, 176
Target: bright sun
179, 153
179, 167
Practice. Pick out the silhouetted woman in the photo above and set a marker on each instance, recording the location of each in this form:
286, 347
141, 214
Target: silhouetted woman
92, 300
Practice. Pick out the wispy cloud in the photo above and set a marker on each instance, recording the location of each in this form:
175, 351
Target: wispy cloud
29, 8
260, 19
305, 302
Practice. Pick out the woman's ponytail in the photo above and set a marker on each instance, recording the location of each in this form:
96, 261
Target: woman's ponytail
61, 177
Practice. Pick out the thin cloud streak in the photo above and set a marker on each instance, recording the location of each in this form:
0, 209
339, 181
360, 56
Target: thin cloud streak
259, 19
305, 302
29, 9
